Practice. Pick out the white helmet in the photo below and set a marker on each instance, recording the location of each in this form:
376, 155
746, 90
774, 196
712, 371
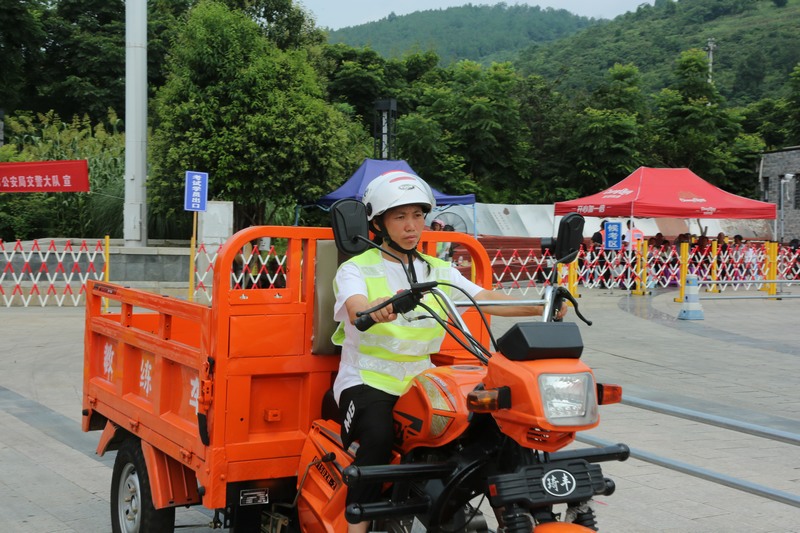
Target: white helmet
396, 188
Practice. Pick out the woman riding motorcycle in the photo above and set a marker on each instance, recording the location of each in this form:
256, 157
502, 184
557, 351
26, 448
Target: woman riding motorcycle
378, 365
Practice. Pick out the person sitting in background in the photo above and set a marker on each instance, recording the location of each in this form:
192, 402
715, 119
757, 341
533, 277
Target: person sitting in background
599, 256
444, 250
632, 237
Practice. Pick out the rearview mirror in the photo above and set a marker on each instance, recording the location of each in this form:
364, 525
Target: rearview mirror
570, 238
350, 226
568, 242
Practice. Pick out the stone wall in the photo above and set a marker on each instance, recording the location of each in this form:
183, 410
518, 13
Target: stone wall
774, 166
163, 269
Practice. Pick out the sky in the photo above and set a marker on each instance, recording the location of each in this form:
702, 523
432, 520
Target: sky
337, 14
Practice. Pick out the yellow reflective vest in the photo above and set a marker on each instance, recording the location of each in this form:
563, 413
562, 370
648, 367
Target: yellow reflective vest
391, 354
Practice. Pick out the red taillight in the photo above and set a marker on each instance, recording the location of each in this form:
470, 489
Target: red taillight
607, 393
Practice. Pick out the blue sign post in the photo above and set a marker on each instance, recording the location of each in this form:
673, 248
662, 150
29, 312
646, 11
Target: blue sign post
196, 194
613, 236
194, 199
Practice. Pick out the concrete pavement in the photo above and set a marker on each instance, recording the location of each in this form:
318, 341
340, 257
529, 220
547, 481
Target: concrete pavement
742, 362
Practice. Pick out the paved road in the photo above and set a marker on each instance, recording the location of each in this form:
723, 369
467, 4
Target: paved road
741, 362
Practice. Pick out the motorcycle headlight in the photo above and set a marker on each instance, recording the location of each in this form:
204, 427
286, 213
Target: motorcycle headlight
569, 399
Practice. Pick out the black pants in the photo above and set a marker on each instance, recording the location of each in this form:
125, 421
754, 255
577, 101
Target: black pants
367, 418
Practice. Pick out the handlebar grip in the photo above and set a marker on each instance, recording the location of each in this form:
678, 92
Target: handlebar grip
402, 302
364, 322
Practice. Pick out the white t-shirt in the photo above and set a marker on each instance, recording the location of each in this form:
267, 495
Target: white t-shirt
350, 283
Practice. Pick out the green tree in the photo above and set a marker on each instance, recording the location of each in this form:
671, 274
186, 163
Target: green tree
751, 69
473, 118
793, 105
21, 41
285, 22
83, 70
80, 67
768, 118
551, 121
163, 20
611, 135
433, 152
606, 149
622, 90
250, 114
694, 129
356, 77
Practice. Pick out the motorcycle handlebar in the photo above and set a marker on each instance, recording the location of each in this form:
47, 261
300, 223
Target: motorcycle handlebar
407, 299
402, 302
364, 322
562, 294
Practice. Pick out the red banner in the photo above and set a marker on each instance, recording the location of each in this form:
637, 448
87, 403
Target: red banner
45, 176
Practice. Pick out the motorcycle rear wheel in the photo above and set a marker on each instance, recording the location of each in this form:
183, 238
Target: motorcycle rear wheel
132, 509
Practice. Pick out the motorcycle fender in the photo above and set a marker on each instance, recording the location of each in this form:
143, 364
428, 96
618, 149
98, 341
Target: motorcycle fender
321, 502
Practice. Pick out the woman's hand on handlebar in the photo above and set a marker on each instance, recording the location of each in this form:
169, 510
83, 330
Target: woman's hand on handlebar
512, 310
563, 311
359, 303
384, 314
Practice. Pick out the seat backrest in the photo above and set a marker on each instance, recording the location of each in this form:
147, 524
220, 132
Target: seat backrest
323, 323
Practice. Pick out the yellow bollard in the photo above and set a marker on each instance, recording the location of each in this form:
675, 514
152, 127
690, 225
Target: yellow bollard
641, 269
572, 279
684, 259
772, 267
769, 270
714, 274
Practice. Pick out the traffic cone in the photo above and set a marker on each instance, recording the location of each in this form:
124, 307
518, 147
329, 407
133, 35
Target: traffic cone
691, 308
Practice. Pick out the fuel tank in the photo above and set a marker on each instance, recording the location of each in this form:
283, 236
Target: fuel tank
434, 412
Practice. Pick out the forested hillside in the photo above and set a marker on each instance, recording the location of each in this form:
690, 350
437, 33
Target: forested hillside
756, 42
478, 32
756, 45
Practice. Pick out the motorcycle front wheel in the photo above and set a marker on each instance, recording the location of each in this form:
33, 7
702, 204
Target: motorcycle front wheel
472, 521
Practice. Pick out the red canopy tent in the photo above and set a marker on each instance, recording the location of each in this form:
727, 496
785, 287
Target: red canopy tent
667, 193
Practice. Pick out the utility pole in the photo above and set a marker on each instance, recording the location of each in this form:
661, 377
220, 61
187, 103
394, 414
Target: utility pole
712, 45
135, 209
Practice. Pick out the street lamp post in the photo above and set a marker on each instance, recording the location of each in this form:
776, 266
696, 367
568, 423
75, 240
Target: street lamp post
384, 128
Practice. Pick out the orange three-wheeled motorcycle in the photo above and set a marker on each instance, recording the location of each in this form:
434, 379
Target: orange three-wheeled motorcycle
228, 406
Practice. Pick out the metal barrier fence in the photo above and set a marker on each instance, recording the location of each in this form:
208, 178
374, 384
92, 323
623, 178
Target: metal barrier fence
742, 268
50, 272
55, 272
